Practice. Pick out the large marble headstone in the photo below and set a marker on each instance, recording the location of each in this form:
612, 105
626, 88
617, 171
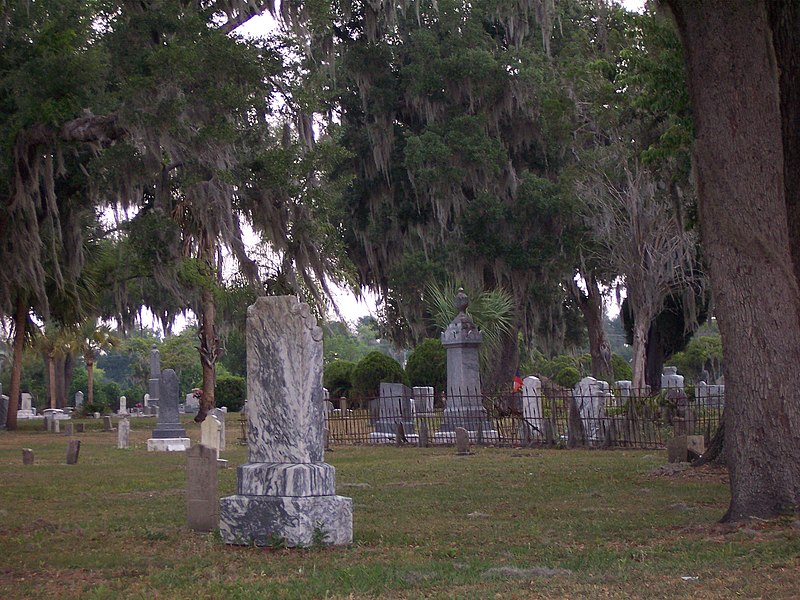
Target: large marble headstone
462, 340
533, 417
169, 434
154, 383
285, 492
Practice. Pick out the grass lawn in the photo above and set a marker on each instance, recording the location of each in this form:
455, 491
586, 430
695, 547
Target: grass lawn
522, 523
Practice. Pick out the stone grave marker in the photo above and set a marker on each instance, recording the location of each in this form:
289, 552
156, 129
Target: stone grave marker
285, 492
154, 383
202, 501
3, 408
73, 449
27, 456
220, 413
26, 410
123, 405
464, 408
423, 399
462, 441
169, 435
55, 425
69, 429
191, 404
107, 423
123, 433
395, 406
78, 400
671, 379
532, 427
80, 427
423, 441
210, 430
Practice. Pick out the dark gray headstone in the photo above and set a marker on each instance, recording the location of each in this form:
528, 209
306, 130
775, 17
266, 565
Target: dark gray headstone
80, 427
202, 500
423, 439
169, 425
107, 424
27, 456
73, 449
69, 429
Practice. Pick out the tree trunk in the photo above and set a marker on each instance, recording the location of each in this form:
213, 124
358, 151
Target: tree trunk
503, 368
209, 352
89, 381
20, 319
640, 328
654, 353
733, 82
51, 370
591, 307
60, 372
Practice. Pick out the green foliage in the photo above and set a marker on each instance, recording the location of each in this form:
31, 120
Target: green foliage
338, 378
231, 392
427, 365
702, 352
179, 352
374, 369
567, 377
622, 368
340, 343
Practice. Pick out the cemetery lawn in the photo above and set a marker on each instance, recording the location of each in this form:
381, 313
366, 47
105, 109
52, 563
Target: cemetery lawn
500, 523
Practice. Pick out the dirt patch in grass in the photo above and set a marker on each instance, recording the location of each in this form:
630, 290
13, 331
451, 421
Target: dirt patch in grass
707, 473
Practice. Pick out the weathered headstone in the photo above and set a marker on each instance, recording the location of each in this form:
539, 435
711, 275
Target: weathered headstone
394, 405
286, 492
169, 435
462, 441
191, 404
209, 433
55, 425
3, 408
591, 396
69, 429
73, 449
78, 400
533, 417
27, 456
423, 399
154, 383
107, 424
343, 405
80, 427
464, 407
219, 413
423, 441
123, 405
146, 401
123, 433
202, 501
709, 396
671, 379
625, 387
26, 410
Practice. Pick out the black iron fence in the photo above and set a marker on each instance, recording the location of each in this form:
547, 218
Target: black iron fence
558, 417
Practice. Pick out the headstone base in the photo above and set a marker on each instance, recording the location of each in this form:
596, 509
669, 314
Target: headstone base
293, 521
286, 479
449, 437
168, 444
391, 438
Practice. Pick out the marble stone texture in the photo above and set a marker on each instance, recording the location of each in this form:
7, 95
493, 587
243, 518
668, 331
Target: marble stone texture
395, 404
591, 396
168, 444
296, 521
286, 492
532, 408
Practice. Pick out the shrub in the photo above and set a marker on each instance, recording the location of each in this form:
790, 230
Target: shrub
230, 392
568, 377
338, 378
373, 369
622, 370
427, 365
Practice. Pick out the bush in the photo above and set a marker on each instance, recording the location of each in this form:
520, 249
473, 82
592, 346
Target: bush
427, 365
338, 378
230, 392
568, 377
373, 369
622, 370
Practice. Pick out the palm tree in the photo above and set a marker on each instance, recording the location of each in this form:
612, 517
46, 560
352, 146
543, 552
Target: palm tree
91, 340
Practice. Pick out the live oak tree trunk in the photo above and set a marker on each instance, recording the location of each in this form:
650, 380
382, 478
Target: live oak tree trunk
734, 86
20, 319
591, 307
640, 329
209, 350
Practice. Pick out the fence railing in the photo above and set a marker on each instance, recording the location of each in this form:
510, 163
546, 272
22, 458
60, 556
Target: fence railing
554, 418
